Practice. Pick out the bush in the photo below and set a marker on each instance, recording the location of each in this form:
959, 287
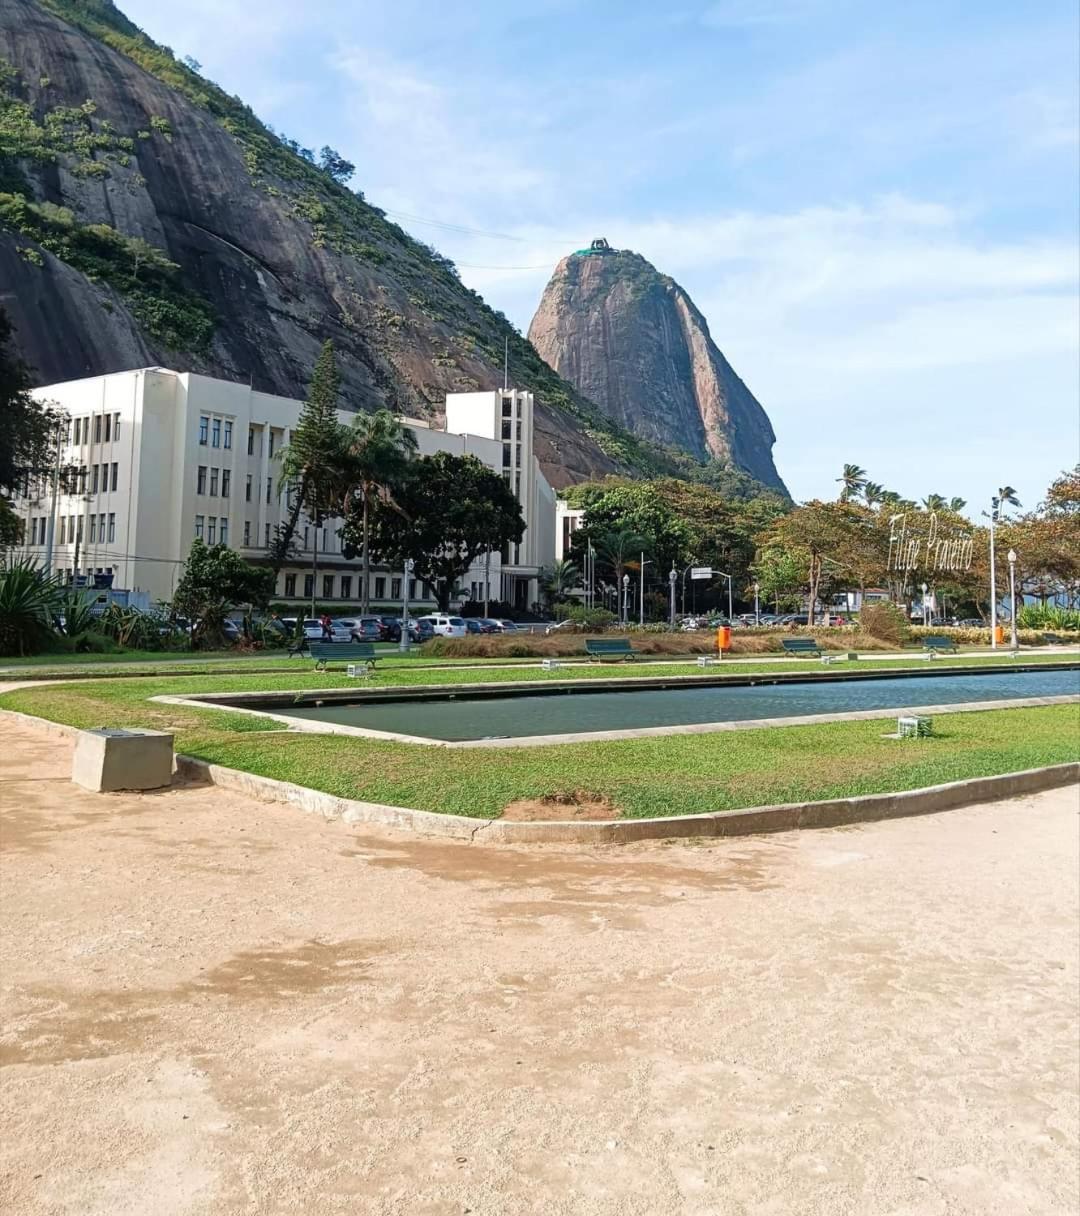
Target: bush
30, 601
596, 619
886, 622
1048, 616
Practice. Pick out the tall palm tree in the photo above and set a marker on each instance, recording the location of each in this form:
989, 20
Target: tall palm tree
378, 450
889, 498
934, 502
851, 481
957, 504
872, 493
1005, 497
562, 578
618, 547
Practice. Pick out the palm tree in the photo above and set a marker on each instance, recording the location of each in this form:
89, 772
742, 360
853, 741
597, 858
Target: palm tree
872, 493
378, 449
934, 502
562, 578
851, 482
616, 548
889, 498
957, 504
1005, 497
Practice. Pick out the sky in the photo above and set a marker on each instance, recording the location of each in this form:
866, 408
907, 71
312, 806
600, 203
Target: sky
875, 205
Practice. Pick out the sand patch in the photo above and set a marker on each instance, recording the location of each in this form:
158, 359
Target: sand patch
576, 805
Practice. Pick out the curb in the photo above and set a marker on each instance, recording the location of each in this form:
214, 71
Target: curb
752, 821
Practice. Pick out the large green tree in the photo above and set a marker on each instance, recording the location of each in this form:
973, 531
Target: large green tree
445, 513
378, 449
311, 466
214, 580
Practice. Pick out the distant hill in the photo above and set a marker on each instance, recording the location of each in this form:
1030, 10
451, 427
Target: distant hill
630, 339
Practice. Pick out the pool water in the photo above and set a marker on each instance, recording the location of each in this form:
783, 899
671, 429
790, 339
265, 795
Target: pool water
525, 714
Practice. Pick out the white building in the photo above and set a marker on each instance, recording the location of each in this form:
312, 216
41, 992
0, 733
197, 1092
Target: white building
163, 457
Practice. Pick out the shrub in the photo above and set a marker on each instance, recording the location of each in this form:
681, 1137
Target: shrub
886, 622
1048, 616
30, 601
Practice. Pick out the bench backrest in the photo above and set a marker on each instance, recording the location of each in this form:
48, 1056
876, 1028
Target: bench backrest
342, 650
607, 646
939, 641
800, 644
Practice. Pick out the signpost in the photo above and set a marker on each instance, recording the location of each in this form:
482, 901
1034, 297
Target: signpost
701, 572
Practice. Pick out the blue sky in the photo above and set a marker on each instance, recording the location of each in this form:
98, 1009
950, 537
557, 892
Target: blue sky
875, 206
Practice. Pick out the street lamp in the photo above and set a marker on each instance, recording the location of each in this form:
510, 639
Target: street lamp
757, 602
641, 600
728, 577
404, 640
625, 599
673, 578
1012, 598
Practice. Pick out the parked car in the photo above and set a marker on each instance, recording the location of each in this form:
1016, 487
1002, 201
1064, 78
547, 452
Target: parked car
472, 625
392, 628
446, 626
313, 630
562, 627
420, 630
505, 626
364, 628
487, 625
231, 630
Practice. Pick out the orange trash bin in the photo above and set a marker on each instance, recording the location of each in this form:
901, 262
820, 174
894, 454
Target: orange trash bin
999, 634
723, 638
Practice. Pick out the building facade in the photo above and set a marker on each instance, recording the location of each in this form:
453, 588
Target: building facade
159, 458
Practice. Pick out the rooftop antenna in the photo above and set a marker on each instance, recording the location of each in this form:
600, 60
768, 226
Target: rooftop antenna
506, 363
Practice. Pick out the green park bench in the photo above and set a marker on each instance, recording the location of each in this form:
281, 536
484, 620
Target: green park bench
346, 652
935, 643
609, 648
801, 646
1052, 639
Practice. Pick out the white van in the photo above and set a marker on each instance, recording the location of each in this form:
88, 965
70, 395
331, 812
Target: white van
446, 626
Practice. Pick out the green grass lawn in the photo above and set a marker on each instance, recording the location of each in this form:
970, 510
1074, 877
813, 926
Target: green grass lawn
673, 775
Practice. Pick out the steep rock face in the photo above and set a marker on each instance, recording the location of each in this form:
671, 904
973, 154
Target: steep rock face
632, 340
280, 256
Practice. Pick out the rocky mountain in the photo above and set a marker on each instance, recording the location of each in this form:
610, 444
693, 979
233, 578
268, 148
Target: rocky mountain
632, 340
146, 217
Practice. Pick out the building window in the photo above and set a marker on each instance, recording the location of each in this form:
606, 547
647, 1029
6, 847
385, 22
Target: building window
328, 586
506, 456
346, 586
33, 529
325, 547
518, 425
115, 475
507, 428
97, 428
204, 429
271, 445
247, 532
79, 530
116, 428
309, 585
112, 526
395, 588
269, 486
108, 428
226, 482
93, 479
380, 588
82, 478
199, 522
200, 480
211, 530
224, 530
412, 588
77, 432
290, 584
307, 532
247, 489
507, 406
266, 536
63, 530
213, 483
228, 433
215, 433
93, 530
517, 455
251, 441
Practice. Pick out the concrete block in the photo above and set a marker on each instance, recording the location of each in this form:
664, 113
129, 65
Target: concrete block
107, 760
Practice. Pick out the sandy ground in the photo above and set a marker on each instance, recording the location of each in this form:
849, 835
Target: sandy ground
213, 1005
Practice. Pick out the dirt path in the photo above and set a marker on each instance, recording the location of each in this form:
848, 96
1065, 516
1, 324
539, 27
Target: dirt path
213, 1006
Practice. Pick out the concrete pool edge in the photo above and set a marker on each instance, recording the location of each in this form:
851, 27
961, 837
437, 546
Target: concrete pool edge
750, 821
317, 727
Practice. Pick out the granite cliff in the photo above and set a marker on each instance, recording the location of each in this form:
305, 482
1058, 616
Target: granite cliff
630, 339
147, 217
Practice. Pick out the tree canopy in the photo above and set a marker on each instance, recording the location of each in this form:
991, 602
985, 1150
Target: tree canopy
216, 579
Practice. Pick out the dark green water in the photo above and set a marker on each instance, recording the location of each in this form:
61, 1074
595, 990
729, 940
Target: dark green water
520, 715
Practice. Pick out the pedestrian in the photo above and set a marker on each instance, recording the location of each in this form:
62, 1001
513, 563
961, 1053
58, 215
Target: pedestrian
327, 630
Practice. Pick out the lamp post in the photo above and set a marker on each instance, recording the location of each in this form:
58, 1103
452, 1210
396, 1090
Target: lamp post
404, 640
625, 599
728, 577
1012, 601
993, 576
641, 599
757, 602
673, 578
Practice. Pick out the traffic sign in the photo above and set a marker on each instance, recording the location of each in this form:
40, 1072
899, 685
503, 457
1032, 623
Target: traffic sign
701, 572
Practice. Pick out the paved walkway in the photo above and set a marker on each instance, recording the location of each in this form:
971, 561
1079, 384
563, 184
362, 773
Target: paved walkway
213, 1007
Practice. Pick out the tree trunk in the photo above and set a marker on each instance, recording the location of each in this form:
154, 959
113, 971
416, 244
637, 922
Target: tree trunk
314, 566
365, 600
284, 538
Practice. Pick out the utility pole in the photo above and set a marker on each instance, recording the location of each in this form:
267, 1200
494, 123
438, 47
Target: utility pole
641, 595
672, 579
50, 527
993, 576
405, 639
487, 581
